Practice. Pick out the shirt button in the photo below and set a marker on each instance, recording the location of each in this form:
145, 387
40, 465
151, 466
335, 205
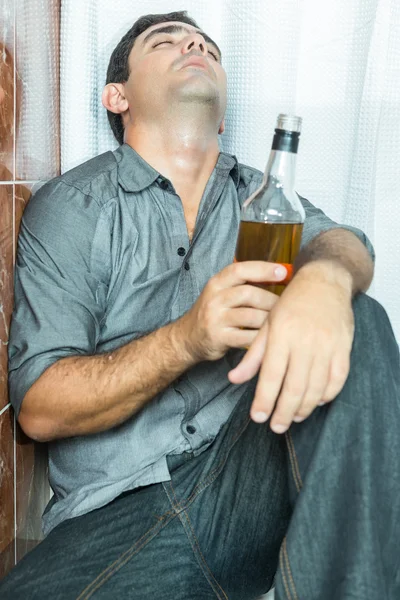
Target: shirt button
187, 266
191, 429
181, 251
164, 184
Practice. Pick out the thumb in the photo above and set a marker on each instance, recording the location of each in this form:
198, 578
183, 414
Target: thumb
251, 362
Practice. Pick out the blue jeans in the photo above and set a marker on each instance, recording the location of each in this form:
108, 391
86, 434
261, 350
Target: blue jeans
318, 509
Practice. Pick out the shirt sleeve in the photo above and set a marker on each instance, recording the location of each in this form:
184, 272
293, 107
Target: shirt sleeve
57, 306
317, 221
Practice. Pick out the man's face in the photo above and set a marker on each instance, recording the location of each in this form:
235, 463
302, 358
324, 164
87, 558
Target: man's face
171, 61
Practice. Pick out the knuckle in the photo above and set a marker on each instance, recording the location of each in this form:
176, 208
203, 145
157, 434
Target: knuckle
303, 413
251, 316
329, 399
235, 268
213, 283
339, 375
260, 319
226, 295
341, 367
284, 412
208, 318
272, 299
282, 418
331, 392
307, 408
246, 293
314, 395
293, 389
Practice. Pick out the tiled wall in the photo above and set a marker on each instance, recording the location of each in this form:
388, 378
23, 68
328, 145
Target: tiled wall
29, 155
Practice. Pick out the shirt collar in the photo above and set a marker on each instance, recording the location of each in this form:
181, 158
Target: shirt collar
135, 174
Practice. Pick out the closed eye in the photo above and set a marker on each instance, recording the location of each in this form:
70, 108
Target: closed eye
163, 42
213, 55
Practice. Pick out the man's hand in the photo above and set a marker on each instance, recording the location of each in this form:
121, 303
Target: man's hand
229, 312
303, 349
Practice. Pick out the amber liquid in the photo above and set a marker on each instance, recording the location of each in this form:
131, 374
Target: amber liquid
272, 242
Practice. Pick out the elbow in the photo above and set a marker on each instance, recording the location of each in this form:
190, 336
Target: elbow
35, 425
35, 428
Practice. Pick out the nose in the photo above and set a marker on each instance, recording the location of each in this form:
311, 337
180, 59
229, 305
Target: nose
195, 41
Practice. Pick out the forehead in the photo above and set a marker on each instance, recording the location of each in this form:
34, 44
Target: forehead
149, 30
172, 27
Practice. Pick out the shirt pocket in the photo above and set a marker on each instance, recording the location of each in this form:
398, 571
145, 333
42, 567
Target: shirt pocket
153, 300
143, 306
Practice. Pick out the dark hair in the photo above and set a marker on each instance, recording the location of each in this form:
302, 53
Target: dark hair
118, 67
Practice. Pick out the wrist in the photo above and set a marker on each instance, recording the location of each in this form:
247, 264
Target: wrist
328, 271
182, 343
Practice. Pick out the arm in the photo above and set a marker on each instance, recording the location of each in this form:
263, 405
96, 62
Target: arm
80, 395
337, 255
303, 349
59, 383
86, 394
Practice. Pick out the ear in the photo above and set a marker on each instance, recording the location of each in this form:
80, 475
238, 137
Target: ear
113, 98
222, 127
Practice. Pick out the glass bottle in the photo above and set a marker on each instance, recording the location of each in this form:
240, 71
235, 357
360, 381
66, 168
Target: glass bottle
272, 217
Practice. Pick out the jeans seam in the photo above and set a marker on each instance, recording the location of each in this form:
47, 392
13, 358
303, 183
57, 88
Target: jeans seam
285, 582
295, 459
180, 507
210, 478
293, 462
124, 557
204, 564
289, 570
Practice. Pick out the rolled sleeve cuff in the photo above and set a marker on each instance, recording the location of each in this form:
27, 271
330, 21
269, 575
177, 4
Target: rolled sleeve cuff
20, 380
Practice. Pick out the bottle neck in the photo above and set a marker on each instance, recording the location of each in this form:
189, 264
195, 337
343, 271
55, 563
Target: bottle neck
282, 166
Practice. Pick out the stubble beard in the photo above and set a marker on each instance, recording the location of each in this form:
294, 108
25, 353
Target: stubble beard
192, 100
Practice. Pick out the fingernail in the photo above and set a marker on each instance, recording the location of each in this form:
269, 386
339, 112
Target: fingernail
280, 272
322, 404
298, 419
279, 428
259, 417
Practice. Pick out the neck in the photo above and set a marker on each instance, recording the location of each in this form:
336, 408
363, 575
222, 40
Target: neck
185, 151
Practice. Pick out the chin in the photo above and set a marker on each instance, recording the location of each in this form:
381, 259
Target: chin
205, 94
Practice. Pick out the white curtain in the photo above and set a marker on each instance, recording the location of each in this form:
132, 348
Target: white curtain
335, 63
37, 83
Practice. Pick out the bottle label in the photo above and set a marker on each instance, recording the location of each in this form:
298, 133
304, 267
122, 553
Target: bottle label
286, 141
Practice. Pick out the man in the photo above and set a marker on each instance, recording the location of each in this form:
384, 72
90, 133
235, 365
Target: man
126, 356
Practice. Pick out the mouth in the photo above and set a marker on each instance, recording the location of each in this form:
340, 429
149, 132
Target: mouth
197, 62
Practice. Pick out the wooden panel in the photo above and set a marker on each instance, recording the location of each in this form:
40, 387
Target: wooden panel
6, 282
6, 492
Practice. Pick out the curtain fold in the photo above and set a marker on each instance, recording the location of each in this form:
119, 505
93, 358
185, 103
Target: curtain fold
335, 64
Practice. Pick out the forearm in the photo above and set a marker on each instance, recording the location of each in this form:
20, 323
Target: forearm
83, 395
335, 253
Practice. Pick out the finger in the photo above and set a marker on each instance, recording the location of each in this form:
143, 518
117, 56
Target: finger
237, 338
254, 271
339, 371
272, 373
250, 296
317, 382
251, 362
293, 390
248, 318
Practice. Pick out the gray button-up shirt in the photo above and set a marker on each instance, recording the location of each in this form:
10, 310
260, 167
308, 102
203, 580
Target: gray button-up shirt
103, 258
